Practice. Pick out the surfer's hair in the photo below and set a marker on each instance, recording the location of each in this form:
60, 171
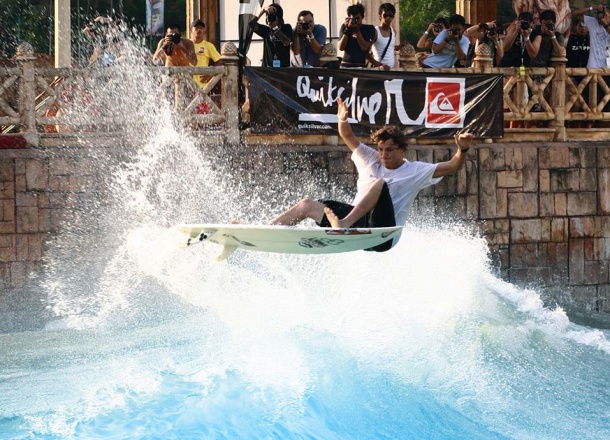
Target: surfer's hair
391, 132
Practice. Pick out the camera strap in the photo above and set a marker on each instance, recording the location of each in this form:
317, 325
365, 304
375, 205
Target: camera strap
387, 45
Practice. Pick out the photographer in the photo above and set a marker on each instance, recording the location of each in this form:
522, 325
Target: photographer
276, 35
521, 42
434, 28
450, 45
308, 40
356, 38
105, 39
550, 40
174, 49
486, 33
599, 31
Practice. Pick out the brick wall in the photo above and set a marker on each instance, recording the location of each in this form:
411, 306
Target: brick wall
544, 208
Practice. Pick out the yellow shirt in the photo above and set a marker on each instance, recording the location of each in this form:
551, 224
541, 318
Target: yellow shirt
205, 52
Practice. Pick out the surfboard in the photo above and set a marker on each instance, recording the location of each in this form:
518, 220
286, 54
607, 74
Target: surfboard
285, 239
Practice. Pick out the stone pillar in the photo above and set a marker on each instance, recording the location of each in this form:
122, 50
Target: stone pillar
230, 92
558, 95
407, 58
63, 46
483, 58
27, 93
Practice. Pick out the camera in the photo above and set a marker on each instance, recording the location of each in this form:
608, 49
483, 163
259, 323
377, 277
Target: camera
437, 28
601, 14
353, 21
493, 31
305, 26
525, 25
550, 26
175, 38
272, 17
455, 32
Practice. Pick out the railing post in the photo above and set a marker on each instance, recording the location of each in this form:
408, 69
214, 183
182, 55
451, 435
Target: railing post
558, 95
27, 93
230, 92
483, 57
407, 58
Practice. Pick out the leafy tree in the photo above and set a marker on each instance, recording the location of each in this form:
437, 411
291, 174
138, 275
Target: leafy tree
415, 15
22, 20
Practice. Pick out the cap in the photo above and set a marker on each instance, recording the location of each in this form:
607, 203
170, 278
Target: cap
198, 22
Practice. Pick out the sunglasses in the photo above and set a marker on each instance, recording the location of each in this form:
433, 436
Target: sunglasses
386, 15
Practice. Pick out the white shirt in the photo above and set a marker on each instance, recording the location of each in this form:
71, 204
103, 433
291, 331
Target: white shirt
599, 41
404, 182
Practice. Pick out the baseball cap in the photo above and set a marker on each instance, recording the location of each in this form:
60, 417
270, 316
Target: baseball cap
197, 22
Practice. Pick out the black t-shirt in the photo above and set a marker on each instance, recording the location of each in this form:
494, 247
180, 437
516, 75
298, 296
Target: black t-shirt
512, 57
546, 50
273, 47
577, 50
353, 54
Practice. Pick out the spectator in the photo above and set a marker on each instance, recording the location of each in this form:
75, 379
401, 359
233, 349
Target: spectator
518, 44
105, 41
577, 53
308, 40
356, 38
550, 40
599, 34
577, 49
434, 28
486, 33
174, 49
276, 35
382, 55
204, 50
450, 45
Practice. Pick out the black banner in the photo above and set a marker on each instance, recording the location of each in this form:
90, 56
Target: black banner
435, 105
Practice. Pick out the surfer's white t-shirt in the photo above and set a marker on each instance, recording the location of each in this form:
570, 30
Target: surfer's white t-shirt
404, 182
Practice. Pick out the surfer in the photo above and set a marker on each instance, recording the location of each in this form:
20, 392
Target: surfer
387, 182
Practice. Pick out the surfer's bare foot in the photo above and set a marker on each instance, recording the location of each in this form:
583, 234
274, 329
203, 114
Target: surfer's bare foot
235, 221
334, 221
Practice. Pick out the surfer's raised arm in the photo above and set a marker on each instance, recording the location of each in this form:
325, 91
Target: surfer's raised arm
345, 130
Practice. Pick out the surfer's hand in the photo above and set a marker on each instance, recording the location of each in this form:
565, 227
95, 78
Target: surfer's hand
342, 111
463, 140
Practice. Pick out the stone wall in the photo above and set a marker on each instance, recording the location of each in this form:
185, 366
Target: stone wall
544, 209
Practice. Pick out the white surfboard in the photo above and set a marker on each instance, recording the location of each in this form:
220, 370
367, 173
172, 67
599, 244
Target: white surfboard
285, 239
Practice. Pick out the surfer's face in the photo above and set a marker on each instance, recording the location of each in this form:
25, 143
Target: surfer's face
390, 154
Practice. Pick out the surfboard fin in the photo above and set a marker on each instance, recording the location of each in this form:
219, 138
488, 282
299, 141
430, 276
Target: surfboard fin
226, 251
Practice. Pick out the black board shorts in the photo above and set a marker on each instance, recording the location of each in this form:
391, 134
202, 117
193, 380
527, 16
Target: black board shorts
382, 215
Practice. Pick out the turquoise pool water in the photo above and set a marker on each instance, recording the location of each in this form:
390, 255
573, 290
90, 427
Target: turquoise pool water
419, 342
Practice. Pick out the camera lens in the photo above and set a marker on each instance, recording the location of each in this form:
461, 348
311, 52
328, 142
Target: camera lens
437, 28
454, 31
601, 15
272, 17
525, 25
305, 26
176, 38
492, 31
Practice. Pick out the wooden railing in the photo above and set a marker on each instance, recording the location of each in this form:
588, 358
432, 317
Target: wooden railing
38, 102
554, 103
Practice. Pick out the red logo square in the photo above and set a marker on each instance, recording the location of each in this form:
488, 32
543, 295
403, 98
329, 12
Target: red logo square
445, 102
